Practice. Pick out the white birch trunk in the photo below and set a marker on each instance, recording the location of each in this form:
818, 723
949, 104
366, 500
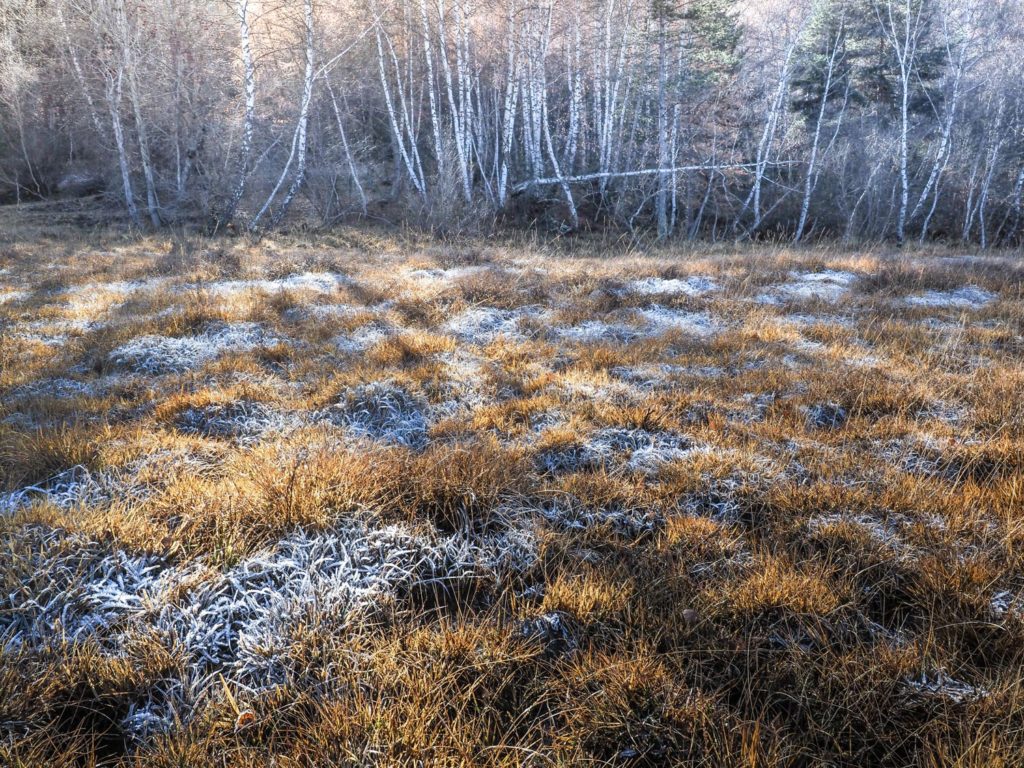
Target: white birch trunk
993, 163
127, 51
510, 109
298, 149
432, 95
249, 119
663, 159
114, 105
348, 152
767, 139
805, 206
397, 132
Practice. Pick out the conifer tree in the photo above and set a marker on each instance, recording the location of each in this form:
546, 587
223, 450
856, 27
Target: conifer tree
869, 71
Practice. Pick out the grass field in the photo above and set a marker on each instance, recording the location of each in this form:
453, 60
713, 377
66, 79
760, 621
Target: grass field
371, 500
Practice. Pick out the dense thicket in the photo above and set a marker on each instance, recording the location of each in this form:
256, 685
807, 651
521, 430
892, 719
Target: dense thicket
802, 119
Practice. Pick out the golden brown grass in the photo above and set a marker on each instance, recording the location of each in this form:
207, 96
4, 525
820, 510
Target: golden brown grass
796, 541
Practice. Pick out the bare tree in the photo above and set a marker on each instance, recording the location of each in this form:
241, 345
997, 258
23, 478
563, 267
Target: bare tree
241, 8
663, 115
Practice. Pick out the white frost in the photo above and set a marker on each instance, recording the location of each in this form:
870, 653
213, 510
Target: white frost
7, 295
690, 286
652, 321
315, 282
238, 625
482, 325
165, 354
828, 287
967, 297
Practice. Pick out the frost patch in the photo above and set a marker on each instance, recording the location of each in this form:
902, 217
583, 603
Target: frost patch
463, 392
135, 481
444, 275
803, 320
636, 449
827, 287
1005, 604
363, 338
381, 411
690, 286
594, 331
884, 532
239, 624
652, 321
482, 325
323, 312
155, 355
65, 490
628, 523
661, 320
244, 421
56, 388
313, 282
947, 413
74, 589
551, 632
755, 407
575, 385
826, 416
929, 456
968, 297
937, 685
7, 295
119, 287
57, 333
244, 619
90, 298
650, 376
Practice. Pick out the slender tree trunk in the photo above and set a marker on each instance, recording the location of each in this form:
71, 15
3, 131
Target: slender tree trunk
508, 123
969, 208
767, 139
249, 121
76, 65
993, 162
114, 105
298, 150
904, 47
397, 131
435, 116
812, 163
303, 126
1016, 209
152, 201
945, 144
345, 147
901, 226
457, 115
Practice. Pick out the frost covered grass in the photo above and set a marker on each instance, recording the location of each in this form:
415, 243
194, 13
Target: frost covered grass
156, 355
404, 503
967, 297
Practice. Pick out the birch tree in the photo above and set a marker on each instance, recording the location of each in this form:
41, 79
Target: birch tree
669, 117
901, 25
241, 9
834, 55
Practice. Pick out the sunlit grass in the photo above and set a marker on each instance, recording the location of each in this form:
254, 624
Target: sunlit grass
363, 500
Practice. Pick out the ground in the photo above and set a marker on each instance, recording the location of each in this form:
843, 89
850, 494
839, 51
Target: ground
375, 500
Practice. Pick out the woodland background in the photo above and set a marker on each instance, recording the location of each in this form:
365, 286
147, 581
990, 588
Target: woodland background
705, 119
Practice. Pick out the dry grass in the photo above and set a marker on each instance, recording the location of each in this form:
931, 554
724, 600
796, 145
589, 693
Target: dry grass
382, 501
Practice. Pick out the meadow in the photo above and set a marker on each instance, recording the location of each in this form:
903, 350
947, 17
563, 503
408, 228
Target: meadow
375, 499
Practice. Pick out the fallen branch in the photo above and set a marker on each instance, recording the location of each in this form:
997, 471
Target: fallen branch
522, 187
